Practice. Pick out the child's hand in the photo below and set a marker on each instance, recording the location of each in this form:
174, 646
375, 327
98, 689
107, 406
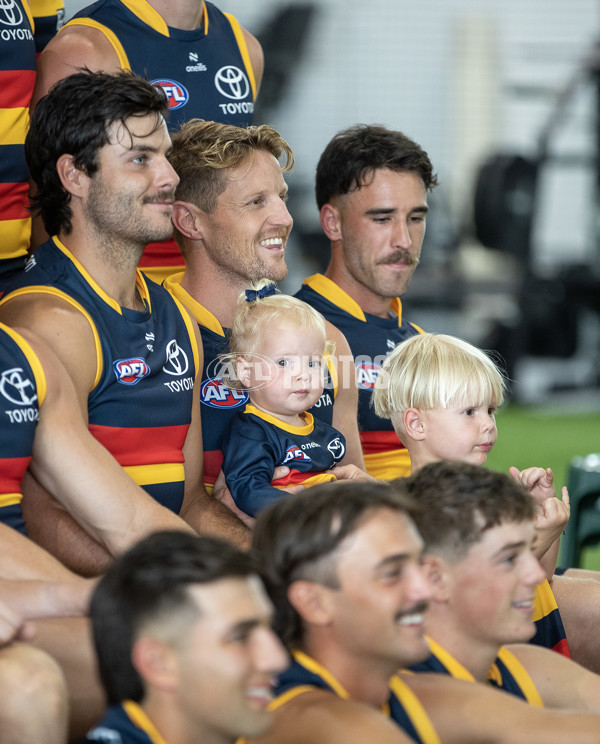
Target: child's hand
552, 513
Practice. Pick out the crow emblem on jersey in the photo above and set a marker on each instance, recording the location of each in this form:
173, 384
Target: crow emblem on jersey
216, 394
131, 371
336, 448
295, 453
366, 375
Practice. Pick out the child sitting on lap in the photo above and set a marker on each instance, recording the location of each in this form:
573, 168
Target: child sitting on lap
277, 353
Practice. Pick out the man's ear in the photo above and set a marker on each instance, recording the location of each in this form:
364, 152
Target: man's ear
187, 218
436, 570
73, 179
330, 222
155, 662
311, 601
413, 425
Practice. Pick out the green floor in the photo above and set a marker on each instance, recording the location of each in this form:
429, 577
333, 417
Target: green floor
530, 436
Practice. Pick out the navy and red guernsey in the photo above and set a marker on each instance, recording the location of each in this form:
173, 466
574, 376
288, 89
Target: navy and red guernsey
140, 405
257, 442
371, 339
22, 392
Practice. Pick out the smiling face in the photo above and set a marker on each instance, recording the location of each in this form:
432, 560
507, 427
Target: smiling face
378, 232
129, 199
246, 234
379, 608
459, 433
491, 590
226, 661
286, 375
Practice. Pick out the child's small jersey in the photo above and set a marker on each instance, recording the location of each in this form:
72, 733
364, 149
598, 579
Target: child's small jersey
257, 442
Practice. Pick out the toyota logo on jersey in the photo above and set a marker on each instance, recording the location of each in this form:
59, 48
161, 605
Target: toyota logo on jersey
176, 93
216, 394
366, 375
295, 453
131, 371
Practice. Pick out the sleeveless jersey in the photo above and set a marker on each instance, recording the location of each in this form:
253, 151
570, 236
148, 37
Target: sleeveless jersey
219, 403
371, 339
17, 79
48, 16
22, 391
506, 673
257, 442
550, 631
403, 707
125, 724
140, 405
205, 73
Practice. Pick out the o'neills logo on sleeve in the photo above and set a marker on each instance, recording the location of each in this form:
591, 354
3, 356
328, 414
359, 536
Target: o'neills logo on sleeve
131, 371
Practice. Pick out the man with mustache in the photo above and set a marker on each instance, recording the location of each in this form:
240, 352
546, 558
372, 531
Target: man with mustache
232, 225
343, 568
97, 151
371, 188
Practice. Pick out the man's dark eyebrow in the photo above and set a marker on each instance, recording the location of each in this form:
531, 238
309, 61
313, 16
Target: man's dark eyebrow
379, 211
510, 547
394, 559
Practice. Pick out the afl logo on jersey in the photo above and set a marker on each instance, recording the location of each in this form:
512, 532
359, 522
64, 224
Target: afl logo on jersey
176, 93
131, 371
295, 453
366, 375
216, 394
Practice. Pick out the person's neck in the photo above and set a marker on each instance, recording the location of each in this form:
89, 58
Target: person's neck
475, 656
182, 14
175, 727
112, 267
366, 680
370, 302
292, 419
214, 291
419, 457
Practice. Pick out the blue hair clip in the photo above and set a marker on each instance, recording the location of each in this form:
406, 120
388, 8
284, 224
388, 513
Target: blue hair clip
252, 294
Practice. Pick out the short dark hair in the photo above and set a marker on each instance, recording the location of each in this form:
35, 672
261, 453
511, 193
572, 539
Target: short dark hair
353, 155
74, 118
456, 502
147, 582
297, 538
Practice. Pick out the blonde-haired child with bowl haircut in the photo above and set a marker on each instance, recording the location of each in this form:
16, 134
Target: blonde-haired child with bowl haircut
441, 394
277, 354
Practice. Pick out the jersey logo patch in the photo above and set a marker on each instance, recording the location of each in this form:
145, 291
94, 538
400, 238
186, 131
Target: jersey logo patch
176, 93
366, 375
232, 83
216, 394
17, 388
295, 453
336, 448
131, 371
177, 361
